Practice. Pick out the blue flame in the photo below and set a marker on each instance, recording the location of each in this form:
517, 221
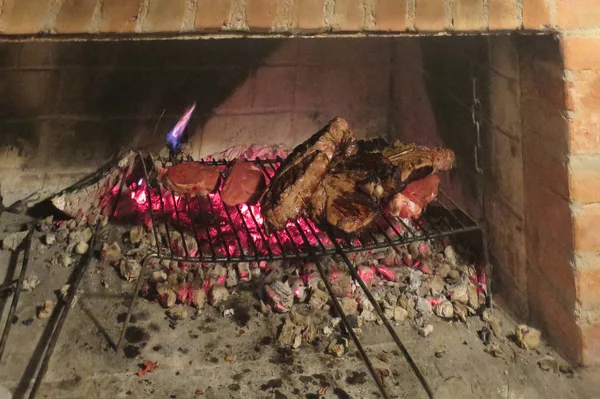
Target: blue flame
175, 135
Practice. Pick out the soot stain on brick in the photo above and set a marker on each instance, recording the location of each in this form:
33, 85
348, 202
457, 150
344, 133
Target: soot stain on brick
274, 383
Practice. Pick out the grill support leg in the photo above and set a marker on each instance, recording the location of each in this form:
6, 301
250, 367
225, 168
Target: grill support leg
136, 291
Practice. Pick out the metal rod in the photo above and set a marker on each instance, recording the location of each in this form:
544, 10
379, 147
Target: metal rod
149, 196
138, 285
387, 324
17, 294
350, 330
9, 285
66, 306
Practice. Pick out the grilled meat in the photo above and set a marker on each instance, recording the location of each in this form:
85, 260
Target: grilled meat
417, 162
299, 174
244, 184
339, 203
190, 177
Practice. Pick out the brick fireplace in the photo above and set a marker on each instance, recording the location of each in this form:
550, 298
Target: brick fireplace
75, 73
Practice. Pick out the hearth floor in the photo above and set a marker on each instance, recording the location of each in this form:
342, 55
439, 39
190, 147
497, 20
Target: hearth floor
217, 357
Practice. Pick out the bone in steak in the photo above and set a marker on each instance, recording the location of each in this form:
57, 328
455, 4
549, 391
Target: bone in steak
417, 162
190, 177
297, 178
411, 202
244, 184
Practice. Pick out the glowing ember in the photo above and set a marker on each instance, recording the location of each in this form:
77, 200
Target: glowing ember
386, 273
367, 275
175, 135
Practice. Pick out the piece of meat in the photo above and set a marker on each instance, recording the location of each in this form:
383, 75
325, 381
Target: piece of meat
417, 162
411, 202
190, 177
340, 203
294, 183
244, 184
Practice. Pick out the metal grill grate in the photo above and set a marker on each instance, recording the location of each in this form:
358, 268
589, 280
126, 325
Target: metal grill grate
237, 234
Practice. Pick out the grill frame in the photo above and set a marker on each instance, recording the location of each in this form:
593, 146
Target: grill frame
387, 231
313, 252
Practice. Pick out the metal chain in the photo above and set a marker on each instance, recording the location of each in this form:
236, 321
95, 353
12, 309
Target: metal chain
476, 118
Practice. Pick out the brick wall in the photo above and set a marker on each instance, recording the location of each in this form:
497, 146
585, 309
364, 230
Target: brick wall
56, 96
555, 87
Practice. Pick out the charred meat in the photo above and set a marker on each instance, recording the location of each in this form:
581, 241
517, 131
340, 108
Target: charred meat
297, 178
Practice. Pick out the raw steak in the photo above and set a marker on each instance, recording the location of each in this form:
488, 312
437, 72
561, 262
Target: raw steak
244, 184
190, 177
411, 202
299, 174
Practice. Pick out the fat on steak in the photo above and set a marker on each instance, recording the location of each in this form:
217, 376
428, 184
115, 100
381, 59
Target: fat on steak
190, 177
294, 183
245, 182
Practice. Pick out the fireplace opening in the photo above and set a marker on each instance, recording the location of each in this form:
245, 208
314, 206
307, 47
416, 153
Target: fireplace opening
72, 109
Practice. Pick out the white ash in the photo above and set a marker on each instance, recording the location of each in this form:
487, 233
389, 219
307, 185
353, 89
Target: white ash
49, 238
12, 241
81, 248
30, 283
218, 294
130, 269
232, 279
281, 296
178, 312
426, 331
110, 252
527, 337
45, 310
444, 310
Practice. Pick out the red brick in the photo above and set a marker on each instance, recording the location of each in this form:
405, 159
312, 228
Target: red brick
581, 52
308, 15
590, 355
502, 15
349, 15
555, 318
468, 15
536, 14
119, 16
588, 288
75, 16
430, 15
24, 16
577, 14
212, 15
164, 15
584, 137
584, 179
260, 14
390, 15
584, 90
585, 228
